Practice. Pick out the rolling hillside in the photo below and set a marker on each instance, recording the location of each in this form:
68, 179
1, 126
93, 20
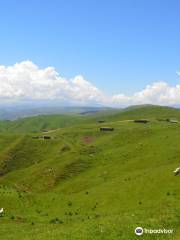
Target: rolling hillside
50, 122
83, 183
148, 112
40, 123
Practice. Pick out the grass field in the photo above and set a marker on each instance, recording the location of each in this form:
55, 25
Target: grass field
84, 183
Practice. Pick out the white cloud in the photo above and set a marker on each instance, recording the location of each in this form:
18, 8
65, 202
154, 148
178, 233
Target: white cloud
156, 93
26, 81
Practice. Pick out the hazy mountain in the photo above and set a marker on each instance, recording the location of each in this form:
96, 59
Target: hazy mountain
11, 112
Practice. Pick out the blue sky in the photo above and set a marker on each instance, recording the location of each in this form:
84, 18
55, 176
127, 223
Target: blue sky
118, 46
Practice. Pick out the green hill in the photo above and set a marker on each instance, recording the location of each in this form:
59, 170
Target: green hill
146, 111
83, 183
50, 122
40, 123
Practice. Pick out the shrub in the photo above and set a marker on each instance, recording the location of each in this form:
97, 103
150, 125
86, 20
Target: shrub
56, 221
69, 203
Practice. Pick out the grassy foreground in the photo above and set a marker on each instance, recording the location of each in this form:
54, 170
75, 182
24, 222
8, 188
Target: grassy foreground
86, 184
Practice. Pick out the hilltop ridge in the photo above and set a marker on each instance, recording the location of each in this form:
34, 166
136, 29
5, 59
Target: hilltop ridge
49, 122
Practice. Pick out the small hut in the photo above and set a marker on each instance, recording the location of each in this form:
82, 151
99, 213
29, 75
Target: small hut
141, 121
47, 137
106, 129
101, 121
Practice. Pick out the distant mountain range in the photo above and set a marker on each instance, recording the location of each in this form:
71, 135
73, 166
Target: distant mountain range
15, 112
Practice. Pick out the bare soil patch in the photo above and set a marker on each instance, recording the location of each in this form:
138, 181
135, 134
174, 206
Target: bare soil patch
88, 139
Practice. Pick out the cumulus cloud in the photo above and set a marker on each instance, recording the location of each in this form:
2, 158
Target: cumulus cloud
26, 81
157, 93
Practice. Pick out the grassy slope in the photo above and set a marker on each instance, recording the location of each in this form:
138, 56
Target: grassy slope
87, 184
149, 112
40, 123
50, 122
